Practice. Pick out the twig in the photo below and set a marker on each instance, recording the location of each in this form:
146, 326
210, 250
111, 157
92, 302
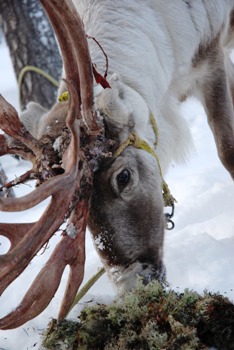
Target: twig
18, 180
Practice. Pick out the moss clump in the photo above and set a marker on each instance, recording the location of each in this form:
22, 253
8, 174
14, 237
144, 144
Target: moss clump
150, 318
61, 336
216, 325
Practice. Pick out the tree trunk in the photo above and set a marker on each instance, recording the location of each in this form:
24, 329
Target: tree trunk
31, 42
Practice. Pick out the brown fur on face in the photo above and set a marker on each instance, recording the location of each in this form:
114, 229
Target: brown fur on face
127, 222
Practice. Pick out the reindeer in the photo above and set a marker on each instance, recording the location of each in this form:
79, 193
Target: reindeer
159, 53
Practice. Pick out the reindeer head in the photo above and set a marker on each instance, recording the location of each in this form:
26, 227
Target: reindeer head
126, 217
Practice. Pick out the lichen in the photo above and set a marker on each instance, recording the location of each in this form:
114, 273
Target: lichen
61, 336
150, 318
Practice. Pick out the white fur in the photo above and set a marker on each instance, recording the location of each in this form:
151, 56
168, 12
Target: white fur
150, 45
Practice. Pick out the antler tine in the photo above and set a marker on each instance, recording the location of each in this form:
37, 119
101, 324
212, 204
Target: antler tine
14, 232
11, 125
81, 50
5, 149
50, 188
78, 220
47, 281
63, 37
17, 259
68, 252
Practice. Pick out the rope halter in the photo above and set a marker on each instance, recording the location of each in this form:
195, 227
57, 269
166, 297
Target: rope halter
135, 141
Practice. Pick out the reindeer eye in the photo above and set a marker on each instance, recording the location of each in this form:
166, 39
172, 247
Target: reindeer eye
123, 177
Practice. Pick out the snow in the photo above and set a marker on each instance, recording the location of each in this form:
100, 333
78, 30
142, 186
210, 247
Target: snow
199, 252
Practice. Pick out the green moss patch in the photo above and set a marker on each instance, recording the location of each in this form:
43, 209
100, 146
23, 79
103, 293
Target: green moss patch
149, 318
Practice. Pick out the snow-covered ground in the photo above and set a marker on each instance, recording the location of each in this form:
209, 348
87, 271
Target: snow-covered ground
199, 252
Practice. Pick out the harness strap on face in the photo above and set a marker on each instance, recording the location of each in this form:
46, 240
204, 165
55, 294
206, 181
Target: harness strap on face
137, 142
155, 127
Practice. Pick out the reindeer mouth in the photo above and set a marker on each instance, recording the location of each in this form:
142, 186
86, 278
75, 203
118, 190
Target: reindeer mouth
125, 279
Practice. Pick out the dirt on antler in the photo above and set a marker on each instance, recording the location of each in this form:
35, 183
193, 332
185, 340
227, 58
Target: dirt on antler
67, 179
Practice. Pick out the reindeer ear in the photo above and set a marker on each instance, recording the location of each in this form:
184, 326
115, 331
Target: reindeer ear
116, 109
31, 117
124, 109
110, 102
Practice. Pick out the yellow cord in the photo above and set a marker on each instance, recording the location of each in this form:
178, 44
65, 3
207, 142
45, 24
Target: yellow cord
135, 141
37, 70
155, 127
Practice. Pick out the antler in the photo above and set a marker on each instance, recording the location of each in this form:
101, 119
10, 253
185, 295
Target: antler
67, 199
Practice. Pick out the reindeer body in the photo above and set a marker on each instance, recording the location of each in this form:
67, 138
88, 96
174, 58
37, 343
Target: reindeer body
160, 52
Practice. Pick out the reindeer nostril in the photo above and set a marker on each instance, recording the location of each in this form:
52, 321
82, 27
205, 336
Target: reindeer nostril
145, 266
123, 177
